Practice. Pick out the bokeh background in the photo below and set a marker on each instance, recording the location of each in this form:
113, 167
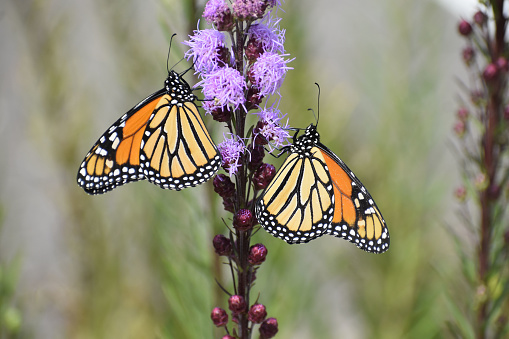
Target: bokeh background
138, 261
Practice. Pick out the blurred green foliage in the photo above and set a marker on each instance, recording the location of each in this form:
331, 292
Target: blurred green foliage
139, 261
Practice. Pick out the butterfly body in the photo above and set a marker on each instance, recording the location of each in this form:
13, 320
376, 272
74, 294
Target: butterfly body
315, 193
162, 139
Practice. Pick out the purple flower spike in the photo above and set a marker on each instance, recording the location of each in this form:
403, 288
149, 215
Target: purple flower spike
223, 87
205, 48
231, 151
218, 13
270, 128
268, 72
270, 36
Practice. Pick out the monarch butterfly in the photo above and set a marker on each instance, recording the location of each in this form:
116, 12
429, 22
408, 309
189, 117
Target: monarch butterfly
315, 193
162, 139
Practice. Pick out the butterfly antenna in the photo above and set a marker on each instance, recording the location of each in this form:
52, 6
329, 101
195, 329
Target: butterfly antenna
168, 58
318, 106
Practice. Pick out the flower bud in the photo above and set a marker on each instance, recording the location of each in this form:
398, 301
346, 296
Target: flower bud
243, 220
268, 328
480, 18
461, 193
253, 98
464, 28
490, 72
221, 114
257, 154
222, 245
463, 114
228, 205
223, 186
502, 64
253, 49
257, 254
237, 304
260, 139
257, 313
263, 176
460, 128
219, 317
468, 55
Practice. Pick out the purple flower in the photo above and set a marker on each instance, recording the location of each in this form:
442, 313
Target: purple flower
268, 72
223, 87
205, 48
218, 13
231, 151
269, 35
249, 9
269, 127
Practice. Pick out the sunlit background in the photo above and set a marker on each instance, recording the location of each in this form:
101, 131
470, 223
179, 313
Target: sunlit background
138, 262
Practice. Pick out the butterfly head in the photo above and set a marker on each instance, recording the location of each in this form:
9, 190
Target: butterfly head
178, 88
306, 141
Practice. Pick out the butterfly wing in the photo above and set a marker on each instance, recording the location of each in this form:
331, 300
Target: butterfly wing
356, 216
114, 160
297, 206
178, 151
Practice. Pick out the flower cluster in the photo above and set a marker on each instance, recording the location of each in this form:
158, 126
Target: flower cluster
241, 61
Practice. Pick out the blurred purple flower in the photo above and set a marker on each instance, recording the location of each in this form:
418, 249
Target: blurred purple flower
249, 9
269, 35
223, 87
268, 72
231, 151
218, 13
270, 127
205, 46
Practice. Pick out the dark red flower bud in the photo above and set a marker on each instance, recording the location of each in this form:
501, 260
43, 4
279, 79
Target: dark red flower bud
253, 98
257, 254
268, 328
465, 28
468, 55
226, 21
502, 64
221, 114
260, 139
243, 220
228, 205
223, 55
219, 317
490, 72
222, 245
480, 18
253, 49
237, 304
257, 154
263, 176
223, 186
257, 313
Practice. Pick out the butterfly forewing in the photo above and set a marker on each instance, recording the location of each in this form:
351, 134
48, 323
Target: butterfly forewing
297, 205
114, 160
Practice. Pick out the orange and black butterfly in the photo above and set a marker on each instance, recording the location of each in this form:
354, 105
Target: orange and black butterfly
315, 193
162, 139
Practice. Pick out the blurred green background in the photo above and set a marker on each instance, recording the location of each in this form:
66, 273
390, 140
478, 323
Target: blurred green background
138, 261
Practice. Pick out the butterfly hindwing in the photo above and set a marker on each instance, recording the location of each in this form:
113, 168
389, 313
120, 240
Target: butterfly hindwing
356, 215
